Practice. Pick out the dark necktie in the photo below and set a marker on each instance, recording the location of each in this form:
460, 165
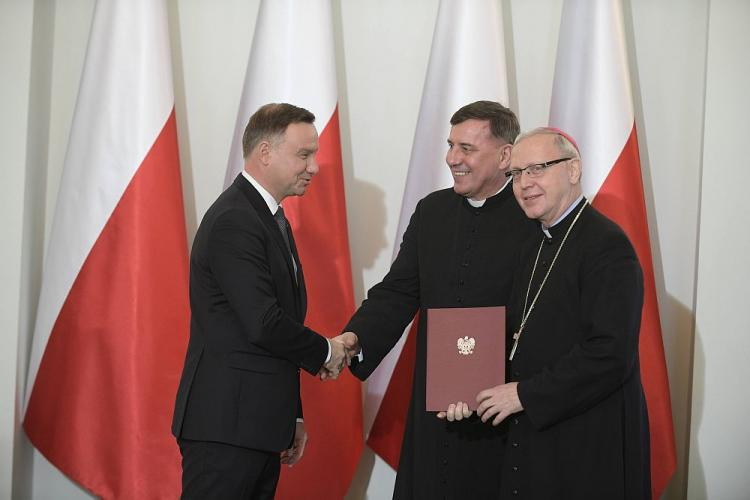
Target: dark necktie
284, 228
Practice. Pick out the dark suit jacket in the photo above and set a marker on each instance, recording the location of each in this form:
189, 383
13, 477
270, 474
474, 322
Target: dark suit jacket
240, 382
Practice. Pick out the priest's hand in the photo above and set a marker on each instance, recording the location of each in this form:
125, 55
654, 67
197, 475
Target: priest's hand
499, 402
292, 455
456, 412
351, 342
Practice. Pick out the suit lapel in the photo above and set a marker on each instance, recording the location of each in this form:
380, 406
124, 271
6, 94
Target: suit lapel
257, 201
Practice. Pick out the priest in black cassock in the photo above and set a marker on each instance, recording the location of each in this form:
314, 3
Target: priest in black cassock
578, 426
459, 250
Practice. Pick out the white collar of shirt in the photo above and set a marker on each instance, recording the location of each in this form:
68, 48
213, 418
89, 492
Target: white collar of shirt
478, 203
273, 205
565, 214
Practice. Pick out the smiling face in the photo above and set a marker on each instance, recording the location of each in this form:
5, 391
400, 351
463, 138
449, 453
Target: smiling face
290, 160
546, 197
477, 159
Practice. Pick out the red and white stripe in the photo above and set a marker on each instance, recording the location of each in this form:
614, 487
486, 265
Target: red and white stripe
592, 101
113, 312
467, 63
292, 60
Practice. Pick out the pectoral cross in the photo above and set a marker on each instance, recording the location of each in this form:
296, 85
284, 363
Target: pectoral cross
516, 336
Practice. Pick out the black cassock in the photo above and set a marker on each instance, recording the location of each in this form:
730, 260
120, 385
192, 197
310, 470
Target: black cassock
452, 255
584, 429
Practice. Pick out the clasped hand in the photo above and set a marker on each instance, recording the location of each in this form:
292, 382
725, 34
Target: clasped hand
343, 349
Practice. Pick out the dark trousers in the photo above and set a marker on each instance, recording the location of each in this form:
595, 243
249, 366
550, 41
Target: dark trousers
222, 471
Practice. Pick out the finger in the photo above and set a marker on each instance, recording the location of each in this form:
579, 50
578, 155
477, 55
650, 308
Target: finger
451, 413
499, 418
298, 455
485, 394
467, 412
458, 413
441, 415
491, 411
482, 407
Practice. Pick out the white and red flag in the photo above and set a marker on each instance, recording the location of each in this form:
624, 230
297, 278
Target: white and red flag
592, 101
292, 60
467, 64
113, 315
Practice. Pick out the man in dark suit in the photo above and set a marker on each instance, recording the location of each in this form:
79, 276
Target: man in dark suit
238, 413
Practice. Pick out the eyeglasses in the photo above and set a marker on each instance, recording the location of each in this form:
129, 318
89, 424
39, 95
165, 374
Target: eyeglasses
534, 170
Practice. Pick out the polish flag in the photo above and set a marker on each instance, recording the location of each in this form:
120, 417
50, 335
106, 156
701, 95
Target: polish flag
113, 315
292, 60
467, 64
592, 101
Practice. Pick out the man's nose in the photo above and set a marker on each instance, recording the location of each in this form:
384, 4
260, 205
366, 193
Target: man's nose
524, 179
313, 167
453, 157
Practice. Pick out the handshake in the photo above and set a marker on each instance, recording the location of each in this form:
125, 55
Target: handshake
343, 349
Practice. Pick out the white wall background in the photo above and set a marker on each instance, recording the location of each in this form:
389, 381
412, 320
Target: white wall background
690, 72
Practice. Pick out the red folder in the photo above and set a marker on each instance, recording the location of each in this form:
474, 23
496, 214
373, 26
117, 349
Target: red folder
465, 354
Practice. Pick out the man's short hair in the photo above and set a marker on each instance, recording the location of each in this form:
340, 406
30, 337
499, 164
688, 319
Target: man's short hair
503, 122
270, 123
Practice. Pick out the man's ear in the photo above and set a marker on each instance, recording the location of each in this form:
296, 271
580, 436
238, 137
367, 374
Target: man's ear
574, 170
265, 150
504, 158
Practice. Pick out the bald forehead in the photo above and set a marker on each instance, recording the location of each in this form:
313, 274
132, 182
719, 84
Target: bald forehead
533, 149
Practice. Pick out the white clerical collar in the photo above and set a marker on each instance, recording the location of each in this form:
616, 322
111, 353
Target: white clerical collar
273, 205
478, 203
565, 214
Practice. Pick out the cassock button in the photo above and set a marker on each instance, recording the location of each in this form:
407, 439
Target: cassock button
445, 444
516, 374
515, 468
515, 421
477, 213
514, 445
459, 299
460, 282
468, 246
515, 492
473, 230
445, 461
464, 264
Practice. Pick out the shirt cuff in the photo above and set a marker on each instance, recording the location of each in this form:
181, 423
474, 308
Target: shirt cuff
328, 357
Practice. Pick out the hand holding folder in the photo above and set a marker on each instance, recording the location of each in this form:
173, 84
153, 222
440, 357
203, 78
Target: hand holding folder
465, 354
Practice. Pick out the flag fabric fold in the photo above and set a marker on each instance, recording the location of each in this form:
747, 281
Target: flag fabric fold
467, 64
113, 314
292, 60
592, 101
